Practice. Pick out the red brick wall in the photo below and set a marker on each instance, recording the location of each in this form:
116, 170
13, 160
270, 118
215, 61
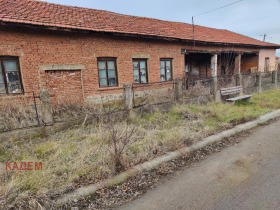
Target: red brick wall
58, 84
35, 49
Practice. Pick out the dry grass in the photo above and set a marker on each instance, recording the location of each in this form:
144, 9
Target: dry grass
15, 115
81, 155
71, 109
154, 96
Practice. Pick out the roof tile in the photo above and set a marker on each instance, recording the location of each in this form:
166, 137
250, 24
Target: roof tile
48, 14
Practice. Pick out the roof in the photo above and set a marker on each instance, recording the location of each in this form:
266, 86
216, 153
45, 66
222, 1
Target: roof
40, 13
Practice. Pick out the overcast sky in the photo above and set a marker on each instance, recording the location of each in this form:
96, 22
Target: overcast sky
249, 17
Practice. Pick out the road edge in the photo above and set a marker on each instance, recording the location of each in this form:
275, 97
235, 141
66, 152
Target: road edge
149, 165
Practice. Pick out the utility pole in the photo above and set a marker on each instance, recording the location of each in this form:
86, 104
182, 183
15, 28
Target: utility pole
264, 36
193, 33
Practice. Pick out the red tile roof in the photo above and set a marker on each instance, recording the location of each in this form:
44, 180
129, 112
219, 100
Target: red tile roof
41, 13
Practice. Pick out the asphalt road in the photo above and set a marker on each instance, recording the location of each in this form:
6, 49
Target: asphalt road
243, 176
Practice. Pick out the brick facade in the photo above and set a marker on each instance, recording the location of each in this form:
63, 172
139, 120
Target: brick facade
37, 49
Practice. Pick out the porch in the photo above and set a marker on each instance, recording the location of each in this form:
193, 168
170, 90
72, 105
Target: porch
205, 64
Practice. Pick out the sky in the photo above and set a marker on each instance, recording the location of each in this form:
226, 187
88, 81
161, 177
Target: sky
253, 18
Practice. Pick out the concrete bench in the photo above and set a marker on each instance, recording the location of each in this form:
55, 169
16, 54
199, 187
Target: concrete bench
237, 90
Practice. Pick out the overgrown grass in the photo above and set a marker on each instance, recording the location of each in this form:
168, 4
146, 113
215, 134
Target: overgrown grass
16, 113
81, 155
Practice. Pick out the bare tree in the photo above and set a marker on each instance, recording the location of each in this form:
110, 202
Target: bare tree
121, 135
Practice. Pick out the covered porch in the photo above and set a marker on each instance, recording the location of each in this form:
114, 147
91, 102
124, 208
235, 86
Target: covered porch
204, 64
206, 73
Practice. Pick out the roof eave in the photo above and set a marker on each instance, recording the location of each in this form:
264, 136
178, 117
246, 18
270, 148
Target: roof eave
122, 34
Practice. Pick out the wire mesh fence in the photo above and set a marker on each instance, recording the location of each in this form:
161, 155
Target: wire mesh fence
22, 111
198, 90
225, 81
267, 81
250, 83
153, 93
19, 111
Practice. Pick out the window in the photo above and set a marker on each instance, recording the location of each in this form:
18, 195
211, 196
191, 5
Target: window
10, 78
165, 69
266, 64
140, 72
107, 72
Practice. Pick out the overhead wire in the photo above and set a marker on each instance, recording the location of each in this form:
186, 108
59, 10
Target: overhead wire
218, 8
210, 12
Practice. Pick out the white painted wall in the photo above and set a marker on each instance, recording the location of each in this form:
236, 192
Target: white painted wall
267, 53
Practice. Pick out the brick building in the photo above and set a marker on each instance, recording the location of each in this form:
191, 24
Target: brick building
83, 54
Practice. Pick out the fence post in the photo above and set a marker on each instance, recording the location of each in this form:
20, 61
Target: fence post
237, 80
274, 78
47, 116
217, 94
242, 82
178, 91
259, 82
128, 96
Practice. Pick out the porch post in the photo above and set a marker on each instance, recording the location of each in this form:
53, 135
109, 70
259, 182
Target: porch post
214, 66
238, 69
238, 64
